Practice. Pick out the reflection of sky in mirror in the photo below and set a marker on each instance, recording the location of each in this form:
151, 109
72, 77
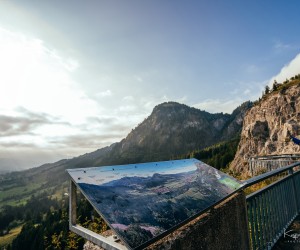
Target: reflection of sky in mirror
101, 175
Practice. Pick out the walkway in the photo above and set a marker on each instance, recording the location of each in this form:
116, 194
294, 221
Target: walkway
291, 239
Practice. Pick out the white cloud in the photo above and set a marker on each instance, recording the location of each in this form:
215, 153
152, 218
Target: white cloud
164, 98
128, 98
39, 99
251, 69
217, 106
289, 70
127, 108
182, 99
69, 64
280, 46
138, 78
247, 92
38, 79
43, 109
104, 93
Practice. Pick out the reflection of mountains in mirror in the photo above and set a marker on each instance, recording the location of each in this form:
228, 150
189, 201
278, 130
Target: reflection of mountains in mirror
140, 208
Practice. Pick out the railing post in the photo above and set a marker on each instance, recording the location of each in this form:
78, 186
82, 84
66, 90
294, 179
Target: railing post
72, 204
291, 172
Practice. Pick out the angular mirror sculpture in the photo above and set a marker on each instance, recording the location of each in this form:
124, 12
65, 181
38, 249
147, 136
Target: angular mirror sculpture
144, 202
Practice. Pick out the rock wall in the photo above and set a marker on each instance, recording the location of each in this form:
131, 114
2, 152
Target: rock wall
266, 126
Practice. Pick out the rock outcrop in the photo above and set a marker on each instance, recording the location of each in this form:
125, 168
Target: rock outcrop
266, 126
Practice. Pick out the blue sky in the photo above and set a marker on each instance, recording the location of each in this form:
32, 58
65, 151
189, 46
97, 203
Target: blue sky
77, 76
104, 174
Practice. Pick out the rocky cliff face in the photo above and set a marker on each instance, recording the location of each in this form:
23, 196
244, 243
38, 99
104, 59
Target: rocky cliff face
266, 126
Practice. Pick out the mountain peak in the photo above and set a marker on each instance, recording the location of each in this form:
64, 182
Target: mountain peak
169, 106
175, 129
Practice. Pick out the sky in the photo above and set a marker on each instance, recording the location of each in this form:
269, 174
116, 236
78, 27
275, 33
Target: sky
104, 175
80, 75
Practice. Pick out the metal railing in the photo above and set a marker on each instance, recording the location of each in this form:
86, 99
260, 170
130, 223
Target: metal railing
266, 163
273, 208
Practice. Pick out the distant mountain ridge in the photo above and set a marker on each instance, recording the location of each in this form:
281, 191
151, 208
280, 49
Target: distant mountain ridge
174, 129
170, 131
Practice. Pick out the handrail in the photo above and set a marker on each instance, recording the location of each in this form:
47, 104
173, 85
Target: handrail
263, 157
273, 208
256, 179
251, 195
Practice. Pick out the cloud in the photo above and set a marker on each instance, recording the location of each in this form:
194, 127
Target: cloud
69, 64
18, 125
217, 106
127, 108
29, 130
182, 99
87, 142
281, 47
101, 120
251, 69
289, 70
15, 144
24, 122
109, 124
18, 157
247, 92
104, 93
41, 101
128, 98
36, 77
138, 78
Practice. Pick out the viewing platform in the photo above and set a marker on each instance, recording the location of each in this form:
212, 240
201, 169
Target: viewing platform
234, 220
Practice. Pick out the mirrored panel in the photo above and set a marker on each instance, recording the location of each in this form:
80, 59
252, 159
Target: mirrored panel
141, 202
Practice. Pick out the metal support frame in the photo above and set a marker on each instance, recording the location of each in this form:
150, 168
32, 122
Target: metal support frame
84, 232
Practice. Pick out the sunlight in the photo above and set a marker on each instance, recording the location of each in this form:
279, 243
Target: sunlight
39, 79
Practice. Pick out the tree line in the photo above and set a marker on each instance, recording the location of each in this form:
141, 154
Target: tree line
281, 86
46, 224
218, 156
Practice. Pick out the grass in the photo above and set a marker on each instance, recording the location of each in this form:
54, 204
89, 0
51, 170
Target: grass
58, 192
262, 184
17, 191
18, 202
8, 238
18, 195
18, 187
